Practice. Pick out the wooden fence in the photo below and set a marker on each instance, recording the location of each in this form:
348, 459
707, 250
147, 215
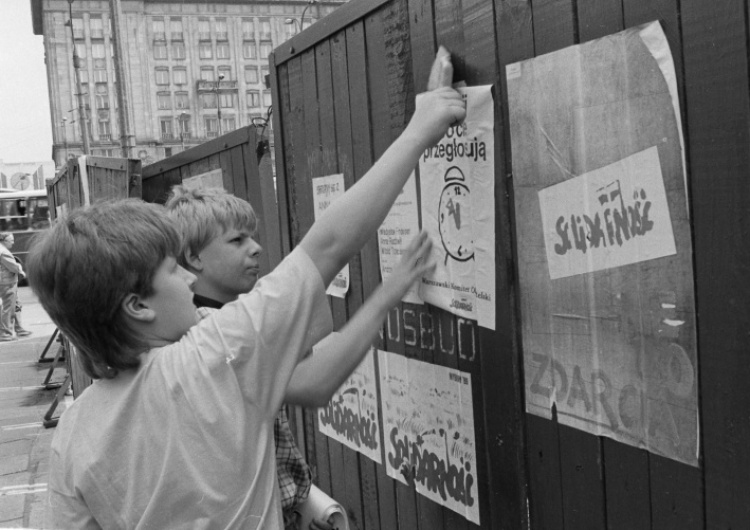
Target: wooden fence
342, 92
239, 162
83, 181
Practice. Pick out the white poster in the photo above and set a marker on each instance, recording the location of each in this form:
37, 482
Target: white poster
210, 179
325, 191
351, 417
609, 217
398, 229
457, 179
428, 428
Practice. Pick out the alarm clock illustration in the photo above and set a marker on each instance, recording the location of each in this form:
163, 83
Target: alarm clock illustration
455, 218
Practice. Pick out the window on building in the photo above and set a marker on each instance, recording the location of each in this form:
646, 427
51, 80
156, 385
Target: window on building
265, 29
160, 51
83, 76
265, 49
97, 28
221, 29
100, 76
103, 125
222, 50
211, 124
266, 98
81, 50
205, 50
228, 123
208, 100
165, 126
178, 49
207, 73
226, 99
157, 26
78, 28
167, 152
182, 100
226, 71
163, 100
162, 76
248, 29
251, 75
249, 51
175, 29
97, 50
179, 76
204, 29
252, 99
101, 94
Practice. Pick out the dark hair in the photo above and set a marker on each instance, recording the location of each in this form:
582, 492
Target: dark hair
84, 266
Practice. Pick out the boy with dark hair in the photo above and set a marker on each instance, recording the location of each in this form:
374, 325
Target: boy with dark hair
177, 431
218, 233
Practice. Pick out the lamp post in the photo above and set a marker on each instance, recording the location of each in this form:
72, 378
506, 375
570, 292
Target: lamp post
77, 75
65, 138
301, 20
218, 100
182, 121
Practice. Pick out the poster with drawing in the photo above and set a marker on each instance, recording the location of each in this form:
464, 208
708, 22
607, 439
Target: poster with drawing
210, 179
398, 229
325, 191
457, 183
351, 417
428, 430
604, 243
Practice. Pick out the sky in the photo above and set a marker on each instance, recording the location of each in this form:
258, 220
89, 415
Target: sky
25, 123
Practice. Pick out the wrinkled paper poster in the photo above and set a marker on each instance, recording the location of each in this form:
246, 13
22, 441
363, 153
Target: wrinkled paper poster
325, 191
604, 244
394, 235
428, 429
351, 417
457, 181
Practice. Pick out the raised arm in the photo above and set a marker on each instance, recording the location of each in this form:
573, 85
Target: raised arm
318, 376
353, 218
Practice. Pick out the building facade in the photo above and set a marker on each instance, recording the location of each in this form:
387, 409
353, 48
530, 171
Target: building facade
194, 70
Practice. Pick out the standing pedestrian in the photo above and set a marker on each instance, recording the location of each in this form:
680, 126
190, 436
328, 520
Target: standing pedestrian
9, 271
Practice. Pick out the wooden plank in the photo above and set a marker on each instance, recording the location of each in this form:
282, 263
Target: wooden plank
716, 81
627, 486
227, 141
380, 514
377, 76
554, 25
545, 476
282, 147
241, 173
598, 18
582, 480
340, 19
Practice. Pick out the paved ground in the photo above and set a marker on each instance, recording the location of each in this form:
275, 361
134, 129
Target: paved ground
24, 442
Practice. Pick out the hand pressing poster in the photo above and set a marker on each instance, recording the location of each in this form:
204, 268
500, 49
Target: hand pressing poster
457, 179
325, 191
604, 243
394, 235
351, 417
428, 426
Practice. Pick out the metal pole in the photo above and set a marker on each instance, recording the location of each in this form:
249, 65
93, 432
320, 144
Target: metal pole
81, 102
123, 94
218, 101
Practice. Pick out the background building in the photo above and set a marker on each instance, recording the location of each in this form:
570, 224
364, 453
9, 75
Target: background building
194, 70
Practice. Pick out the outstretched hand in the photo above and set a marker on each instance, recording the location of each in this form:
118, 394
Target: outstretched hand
414, 264
440, 107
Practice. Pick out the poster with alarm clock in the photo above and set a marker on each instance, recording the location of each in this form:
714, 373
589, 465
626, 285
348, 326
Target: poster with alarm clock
457, 178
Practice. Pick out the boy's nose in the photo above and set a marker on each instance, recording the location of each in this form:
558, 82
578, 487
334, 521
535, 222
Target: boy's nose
188, 276
255, 249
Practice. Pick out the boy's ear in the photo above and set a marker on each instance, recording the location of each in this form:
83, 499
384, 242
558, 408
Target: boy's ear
134, 307
194, 260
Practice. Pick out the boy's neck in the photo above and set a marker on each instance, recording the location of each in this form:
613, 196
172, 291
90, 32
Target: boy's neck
206, 301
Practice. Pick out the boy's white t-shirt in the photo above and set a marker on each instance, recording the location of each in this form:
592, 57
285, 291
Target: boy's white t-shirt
186, 441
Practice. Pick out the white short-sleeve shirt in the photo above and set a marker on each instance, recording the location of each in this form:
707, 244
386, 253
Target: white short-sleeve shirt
186, 440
